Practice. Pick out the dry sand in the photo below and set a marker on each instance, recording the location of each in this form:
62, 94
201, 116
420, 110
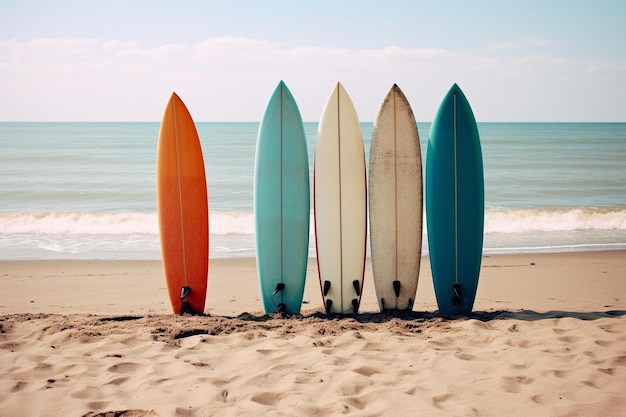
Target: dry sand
96, 338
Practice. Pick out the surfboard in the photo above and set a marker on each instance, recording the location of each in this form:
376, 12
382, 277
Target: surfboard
395, 203
282, 204
340, 204
182, 208
455, 201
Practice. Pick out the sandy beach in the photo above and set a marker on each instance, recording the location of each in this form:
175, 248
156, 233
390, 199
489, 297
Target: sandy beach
96, 338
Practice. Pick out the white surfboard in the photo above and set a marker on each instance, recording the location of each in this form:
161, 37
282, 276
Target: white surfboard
340, 204
395, 202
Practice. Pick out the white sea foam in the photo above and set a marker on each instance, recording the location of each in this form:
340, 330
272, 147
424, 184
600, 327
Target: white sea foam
135, 235
240, 223
554, 220
78, 223
113, 223
231, 223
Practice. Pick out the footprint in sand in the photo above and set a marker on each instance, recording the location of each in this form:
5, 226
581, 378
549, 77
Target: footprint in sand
350, 390
366, 371
538, 399
559, 373
438, 400
610, 329
608, 371
19, 386
87, 392
306, 377
569, 339
619, 361
356, 402
124, 367
603, 343
220, 382
182, 412
513, 384
267, 398
518, 366
117, 381
520, 343
100, 404
465, 356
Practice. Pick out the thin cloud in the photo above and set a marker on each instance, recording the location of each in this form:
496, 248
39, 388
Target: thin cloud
521, 45
502, 46
230, 78
540, 42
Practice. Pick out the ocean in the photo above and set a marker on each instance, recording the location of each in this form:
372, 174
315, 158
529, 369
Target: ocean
87, 190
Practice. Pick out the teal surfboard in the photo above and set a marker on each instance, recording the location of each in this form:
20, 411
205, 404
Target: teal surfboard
455, 204
281, 204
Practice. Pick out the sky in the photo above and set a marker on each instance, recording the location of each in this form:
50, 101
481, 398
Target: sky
120, 60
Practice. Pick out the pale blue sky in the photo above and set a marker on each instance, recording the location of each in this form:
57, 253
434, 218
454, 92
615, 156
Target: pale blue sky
531, 60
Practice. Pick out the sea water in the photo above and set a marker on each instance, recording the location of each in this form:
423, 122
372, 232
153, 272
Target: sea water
87, 190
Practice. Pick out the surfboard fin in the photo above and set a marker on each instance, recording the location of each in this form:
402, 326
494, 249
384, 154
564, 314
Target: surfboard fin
329, 304
185, 308
355, 305
326, 287
279, 287
184, 292
396, 287
281, 307
382, 302
357, 287
456, 300
410, 306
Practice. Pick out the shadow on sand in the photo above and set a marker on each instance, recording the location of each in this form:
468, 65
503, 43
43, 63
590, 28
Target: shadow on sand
485, 316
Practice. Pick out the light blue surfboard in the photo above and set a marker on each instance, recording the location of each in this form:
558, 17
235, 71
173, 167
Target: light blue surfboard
281, 204
455, 201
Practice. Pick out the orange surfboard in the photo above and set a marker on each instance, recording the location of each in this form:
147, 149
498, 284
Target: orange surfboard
182, 207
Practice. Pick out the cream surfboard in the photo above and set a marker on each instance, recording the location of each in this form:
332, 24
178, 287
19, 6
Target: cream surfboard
395, 203
182, 208
340, 204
